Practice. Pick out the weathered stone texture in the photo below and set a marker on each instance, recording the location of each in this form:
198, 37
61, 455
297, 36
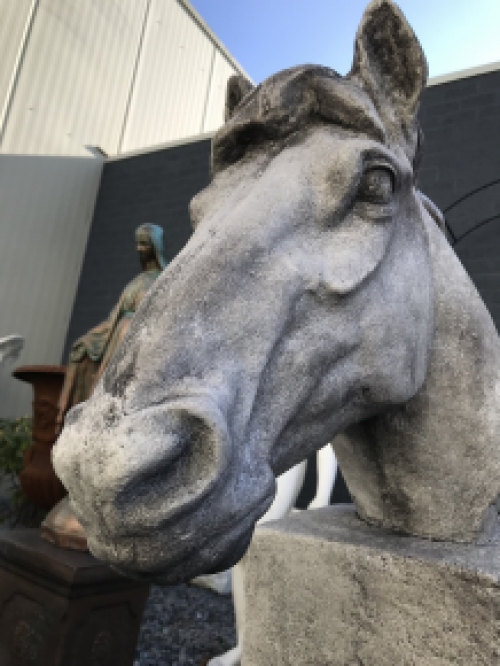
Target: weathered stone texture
325, 589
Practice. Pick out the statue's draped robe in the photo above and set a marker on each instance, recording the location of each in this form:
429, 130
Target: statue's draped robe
97, 346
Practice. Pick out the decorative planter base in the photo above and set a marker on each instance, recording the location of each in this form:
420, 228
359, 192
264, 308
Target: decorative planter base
38, 479
64, 608
324, 588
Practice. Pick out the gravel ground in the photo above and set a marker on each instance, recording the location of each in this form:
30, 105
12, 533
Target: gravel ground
185, 625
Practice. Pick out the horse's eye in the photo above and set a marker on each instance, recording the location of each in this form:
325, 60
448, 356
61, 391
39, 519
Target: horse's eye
377, 185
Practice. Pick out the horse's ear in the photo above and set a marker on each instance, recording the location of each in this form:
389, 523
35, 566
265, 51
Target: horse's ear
389, 63
237, 87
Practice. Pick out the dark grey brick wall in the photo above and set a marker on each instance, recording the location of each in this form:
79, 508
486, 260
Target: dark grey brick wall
461, 123
154, 187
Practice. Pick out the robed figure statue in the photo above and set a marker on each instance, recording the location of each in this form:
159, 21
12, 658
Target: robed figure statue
91, 353
88, 359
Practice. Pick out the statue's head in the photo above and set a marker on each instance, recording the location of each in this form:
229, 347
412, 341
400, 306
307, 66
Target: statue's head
149, 241
302, 304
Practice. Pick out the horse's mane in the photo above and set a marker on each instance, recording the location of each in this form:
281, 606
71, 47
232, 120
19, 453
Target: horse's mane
296, 98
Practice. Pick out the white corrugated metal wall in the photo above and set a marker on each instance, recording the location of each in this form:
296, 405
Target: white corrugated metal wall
46, 207
119, 74
172, 81
14, 26
75, 77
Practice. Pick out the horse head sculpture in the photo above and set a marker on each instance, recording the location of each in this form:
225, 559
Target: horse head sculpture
317, 296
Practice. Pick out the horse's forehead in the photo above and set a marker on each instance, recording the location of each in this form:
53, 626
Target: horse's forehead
306, 90
287, 88
292, 100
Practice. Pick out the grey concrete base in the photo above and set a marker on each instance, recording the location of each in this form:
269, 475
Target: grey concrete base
324, 589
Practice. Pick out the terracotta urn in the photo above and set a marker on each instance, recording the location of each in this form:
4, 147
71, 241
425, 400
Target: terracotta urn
38, 479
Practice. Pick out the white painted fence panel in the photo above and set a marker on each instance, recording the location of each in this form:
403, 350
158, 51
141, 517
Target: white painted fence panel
46, 207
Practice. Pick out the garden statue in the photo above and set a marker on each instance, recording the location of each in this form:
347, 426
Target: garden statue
10, 348
91, 353
90, 356
318, 295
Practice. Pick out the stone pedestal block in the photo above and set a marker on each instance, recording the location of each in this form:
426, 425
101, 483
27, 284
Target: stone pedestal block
64, 608
324, 589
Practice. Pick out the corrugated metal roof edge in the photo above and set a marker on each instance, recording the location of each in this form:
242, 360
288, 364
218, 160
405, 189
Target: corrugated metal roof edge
464, 73
194, 14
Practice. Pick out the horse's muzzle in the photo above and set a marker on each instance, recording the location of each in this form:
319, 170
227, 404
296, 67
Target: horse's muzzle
159, 491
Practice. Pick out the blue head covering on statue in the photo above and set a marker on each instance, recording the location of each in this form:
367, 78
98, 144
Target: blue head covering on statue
155, 234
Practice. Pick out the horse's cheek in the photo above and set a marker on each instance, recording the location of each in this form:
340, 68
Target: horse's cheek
353, 255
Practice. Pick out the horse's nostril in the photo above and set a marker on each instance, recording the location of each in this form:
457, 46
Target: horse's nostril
185, 453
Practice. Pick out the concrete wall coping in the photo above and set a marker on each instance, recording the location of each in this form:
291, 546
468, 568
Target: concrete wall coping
160, 146
464, 73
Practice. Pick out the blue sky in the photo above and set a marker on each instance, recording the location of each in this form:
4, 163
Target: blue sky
265, 36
